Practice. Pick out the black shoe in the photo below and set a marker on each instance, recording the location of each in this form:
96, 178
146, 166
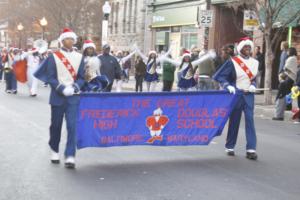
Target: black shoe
55, 161
33, 95
277, 119
14, 91
70, 165
251, 155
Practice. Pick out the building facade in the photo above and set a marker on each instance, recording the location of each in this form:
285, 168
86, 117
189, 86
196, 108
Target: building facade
4, 40
127, 24
175, 23
156, 25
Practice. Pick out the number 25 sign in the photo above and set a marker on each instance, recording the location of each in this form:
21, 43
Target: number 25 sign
205, 18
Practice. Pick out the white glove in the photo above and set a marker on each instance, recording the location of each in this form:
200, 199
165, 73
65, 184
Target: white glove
231, 89
252, 89
68, 91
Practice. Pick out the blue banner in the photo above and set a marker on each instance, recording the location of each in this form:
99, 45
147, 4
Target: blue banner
160, 119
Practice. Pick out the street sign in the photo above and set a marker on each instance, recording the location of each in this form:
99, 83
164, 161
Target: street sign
205, 18
251, 21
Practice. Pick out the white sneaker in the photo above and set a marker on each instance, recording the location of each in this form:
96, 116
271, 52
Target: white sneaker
70, 162
54, 157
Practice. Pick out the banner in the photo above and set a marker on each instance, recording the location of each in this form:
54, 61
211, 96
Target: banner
159, 119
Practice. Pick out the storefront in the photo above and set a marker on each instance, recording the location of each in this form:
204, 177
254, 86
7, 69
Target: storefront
177, 27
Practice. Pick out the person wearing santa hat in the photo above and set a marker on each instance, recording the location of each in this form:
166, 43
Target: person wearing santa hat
33, 61
64, 72
95, 82
187, 69
239, 73
152, 61
89, 50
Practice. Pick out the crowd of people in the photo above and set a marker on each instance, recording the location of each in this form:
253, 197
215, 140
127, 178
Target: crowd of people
288, 76
68, 72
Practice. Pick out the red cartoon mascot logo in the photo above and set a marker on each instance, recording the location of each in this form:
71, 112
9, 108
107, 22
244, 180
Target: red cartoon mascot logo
156, 123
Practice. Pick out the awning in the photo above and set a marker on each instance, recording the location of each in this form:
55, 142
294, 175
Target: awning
289, 10
175, 17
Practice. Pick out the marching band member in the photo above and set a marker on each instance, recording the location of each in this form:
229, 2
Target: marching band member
64, 72
187, 69
95, 82
1, 65
152, 62
10, 78
238, 73
33, 62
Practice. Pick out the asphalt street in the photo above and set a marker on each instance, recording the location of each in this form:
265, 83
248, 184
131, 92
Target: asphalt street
141, 173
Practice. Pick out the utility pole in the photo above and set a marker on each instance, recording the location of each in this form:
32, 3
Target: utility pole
206, 30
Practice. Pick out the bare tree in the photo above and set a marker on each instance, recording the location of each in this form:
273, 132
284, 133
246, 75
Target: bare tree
83, 16
270, 14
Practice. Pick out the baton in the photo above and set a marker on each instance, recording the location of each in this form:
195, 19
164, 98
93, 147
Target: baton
258, 89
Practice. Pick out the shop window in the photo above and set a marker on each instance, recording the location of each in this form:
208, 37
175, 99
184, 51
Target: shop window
189, 29
112, 18
189, 39
117, 18
129, 16
175, 29
135, 15
124, 16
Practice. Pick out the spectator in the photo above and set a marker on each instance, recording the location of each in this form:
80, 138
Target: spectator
283, 56
1, 67
168, 75
140, 72
126, 67
110, 67
204, 73
259, 56
286, 78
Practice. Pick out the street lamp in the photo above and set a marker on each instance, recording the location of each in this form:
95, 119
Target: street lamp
20, 28
106, 11
43, 23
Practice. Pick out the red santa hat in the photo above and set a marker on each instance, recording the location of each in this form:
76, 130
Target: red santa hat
67, 33
246, 41
88, 44
186, 53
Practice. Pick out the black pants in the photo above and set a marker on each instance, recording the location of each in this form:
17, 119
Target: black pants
167, 86
1, 73
139, 83
108, 88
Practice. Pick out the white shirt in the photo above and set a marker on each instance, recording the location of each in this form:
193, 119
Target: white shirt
243, 82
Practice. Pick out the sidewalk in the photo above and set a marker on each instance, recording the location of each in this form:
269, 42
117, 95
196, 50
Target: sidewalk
261, 110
